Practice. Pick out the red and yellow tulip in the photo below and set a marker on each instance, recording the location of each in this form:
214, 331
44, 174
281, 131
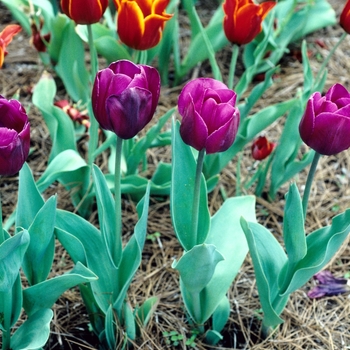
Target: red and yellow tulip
140, 23
243, 18
5, 38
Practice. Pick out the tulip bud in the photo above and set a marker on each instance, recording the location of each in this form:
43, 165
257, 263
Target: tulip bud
209, 117
84, 11
345, 17
243, 18
262, 148
325, 124
14, 136
140, 23
125, 96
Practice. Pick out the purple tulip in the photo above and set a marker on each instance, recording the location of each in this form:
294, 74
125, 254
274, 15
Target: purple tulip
325, 126
125, 96
14, 136
209, 117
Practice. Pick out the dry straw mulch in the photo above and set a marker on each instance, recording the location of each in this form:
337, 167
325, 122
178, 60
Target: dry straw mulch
309, 324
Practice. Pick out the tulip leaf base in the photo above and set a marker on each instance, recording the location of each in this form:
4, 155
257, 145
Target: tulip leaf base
279, 274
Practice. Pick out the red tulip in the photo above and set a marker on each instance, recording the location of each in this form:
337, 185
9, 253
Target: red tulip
140, 23
243, 18
345, 17
262, 148
84, 11
5, 38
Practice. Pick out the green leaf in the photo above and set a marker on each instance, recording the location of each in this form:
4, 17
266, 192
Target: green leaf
182, 190
34, 332
146, 310
221, 314
293, 226
110, 328
197, 266
58, 122
71, 67
132, 253
107, 218
106, 288
268, 260
43, 295
322, 245
12, 251
16, 8
39, 256
29, 199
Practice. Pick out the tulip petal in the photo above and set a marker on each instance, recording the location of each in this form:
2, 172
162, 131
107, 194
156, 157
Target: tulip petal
333, 128
129, 112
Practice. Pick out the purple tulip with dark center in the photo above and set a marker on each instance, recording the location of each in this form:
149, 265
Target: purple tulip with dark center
209, 117
14, 136
125, 96
325, 126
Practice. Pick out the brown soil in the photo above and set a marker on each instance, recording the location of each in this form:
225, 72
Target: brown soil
309, 324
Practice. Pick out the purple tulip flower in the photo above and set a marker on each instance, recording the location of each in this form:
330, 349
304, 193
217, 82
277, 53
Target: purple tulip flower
328, 285
325, 125
125, 96
14, 136
209, 117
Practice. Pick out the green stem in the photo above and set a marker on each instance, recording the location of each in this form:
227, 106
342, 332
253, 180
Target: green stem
310, 177
117, 191
330, 54
231, 76
197, 313
93, 131
2, 236
196, 195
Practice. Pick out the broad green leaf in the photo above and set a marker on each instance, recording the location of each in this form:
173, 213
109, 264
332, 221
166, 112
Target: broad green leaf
34, 332
59, 124
132, 253
146, 310
221, 314
106, 288
14, 298
107, 217
29, 198
12, 251
129, 321
44, 295
197, 266
182, 191
110, 328
58, 25
322, 245
227, 236
17, 10
293, 226
71, 67
39, 256
268, 260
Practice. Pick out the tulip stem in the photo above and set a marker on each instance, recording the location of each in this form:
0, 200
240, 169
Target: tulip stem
330, 54
117, 191
231, 76
196, 195
2, 237
93, 132
310, 177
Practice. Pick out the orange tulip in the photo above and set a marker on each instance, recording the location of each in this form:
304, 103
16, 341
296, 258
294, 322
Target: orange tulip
345, 17
5, 38
140, 22
243, 18
84, 11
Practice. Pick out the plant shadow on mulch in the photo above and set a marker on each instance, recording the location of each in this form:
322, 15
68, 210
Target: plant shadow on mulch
309, 324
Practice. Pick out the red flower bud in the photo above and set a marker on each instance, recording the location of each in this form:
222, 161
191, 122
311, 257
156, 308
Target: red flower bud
345, 17
243, 18
262, 148
84, 11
